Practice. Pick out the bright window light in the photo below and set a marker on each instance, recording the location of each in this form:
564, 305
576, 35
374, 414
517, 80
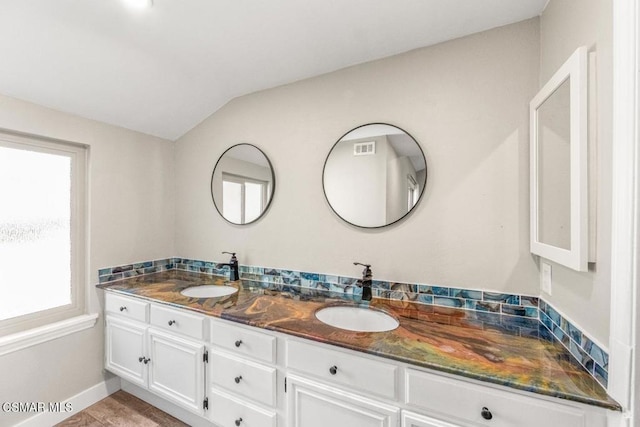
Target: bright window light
35, 231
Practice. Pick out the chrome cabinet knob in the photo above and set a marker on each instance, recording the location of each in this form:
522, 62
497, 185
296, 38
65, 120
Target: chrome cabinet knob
486, 413
146, 360
238, 343
238, 379
238, 421
123, 308
140, 359
171, 322
333, 370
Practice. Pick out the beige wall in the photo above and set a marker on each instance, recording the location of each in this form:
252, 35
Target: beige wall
465, 102
564, 26
131, 219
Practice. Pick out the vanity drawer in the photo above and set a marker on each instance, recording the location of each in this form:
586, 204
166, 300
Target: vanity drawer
447, 397
243, 341
249, 379
128, 307
179, 321
341, 368
226, 410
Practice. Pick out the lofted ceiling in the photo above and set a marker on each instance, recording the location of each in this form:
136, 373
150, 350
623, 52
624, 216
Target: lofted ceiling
163, 70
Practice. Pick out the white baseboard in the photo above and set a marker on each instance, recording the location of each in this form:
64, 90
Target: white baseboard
168, 407
78, 402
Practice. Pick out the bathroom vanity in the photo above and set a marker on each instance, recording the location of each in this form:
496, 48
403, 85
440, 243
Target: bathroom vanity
260, 357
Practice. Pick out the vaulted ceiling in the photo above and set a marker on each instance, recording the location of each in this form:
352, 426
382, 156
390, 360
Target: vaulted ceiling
163, 70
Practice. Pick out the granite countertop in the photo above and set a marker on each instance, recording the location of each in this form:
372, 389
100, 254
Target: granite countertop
495, 348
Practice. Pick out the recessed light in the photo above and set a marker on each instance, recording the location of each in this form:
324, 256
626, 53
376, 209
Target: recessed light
139, 4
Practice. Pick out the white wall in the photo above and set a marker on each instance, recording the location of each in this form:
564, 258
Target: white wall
564, 26
356, 185
465, 102
131, 219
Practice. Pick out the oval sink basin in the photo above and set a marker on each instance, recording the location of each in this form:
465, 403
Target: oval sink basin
357, 319
208, 291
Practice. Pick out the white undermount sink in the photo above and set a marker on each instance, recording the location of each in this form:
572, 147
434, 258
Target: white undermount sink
358, 319
208, 291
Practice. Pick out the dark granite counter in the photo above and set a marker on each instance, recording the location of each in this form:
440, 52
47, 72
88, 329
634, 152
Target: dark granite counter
506, 350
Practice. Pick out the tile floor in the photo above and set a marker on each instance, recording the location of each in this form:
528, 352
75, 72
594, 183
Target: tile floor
124, 410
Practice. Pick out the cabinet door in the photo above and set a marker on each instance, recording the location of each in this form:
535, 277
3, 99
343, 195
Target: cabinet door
409, 419
312, 404
125, 350
176, 370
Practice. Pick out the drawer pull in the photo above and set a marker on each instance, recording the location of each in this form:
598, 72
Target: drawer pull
333, 370
238, 421
238, 343
140, 359
171, 322
238, 379
486, 413
123, 308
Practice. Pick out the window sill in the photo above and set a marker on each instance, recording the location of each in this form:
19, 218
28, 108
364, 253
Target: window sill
35, 336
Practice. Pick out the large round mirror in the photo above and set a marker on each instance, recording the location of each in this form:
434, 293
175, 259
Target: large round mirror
374, 175
242, 184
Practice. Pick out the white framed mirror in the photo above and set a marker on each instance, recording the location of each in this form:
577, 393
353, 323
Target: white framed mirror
558, 166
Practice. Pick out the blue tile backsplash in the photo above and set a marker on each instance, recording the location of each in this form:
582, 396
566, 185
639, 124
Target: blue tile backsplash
591, 356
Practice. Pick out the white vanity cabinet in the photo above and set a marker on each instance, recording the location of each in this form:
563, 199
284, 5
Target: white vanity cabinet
252, 377
243, 376
313, 404
478, 405
328, 387
125, 349
139, 348
411, 419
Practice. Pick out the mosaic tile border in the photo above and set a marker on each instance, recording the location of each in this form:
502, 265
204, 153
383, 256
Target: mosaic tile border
590, 355
111, 274
552, 324
469, 299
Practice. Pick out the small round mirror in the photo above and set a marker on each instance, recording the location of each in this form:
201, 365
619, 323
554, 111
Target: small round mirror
374, 175
242, 184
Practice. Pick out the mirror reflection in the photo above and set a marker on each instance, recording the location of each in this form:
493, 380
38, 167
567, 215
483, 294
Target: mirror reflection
559, 226
242, 184
554, 161
374, 175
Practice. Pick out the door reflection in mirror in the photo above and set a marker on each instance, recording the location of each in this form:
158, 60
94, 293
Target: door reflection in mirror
242, 184
374, 175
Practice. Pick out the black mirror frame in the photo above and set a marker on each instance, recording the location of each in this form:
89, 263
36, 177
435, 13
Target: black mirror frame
324, 190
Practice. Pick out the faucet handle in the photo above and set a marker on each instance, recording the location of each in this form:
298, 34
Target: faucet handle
233, 256
367, 269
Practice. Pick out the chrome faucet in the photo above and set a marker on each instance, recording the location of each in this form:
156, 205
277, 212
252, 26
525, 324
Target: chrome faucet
234, 273
365, 282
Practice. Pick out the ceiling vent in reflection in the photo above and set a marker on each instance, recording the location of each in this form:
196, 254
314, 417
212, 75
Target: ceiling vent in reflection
364, 148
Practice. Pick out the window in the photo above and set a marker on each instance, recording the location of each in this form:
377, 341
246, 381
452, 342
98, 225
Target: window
413, 192
243, 199
42, 238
